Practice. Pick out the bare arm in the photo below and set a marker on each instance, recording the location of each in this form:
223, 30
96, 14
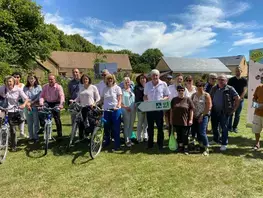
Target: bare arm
119, 101
208, 104
242, 96
145, 98
236, 102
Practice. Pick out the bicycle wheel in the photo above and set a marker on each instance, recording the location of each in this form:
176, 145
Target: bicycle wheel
4, 135
46, 136
73, 133
96, 142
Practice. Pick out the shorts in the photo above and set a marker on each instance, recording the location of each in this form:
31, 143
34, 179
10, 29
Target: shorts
257, 124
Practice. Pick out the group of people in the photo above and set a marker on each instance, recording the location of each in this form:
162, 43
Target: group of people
193, 105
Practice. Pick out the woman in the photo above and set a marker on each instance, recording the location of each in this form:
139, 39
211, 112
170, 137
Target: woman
203, 104
191, 89
142, 124
181, 118
32, 90
13, 94
112, 98
17, 76
88, 96
128, 110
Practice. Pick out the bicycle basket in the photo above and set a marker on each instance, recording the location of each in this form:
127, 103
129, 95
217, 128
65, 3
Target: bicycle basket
16, 118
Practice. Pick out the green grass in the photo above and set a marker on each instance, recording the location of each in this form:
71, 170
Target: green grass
134, 173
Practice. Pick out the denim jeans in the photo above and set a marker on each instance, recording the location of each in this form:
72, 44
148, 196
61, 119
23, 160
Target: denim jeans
237, 116
200, 130
157, 117
222, 120
113, 123
32, 123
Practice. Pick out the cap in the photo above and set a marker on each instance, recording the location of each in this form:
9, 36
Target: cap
169, 77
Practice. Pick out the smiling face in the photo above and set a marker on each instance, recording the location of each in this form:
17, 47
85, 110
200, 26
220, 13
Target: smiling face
179, 80
127, 84
31, 80
76, 74
222, 81
212, 80
142, 80
17, 79
200, 87
51, 80
189, 81
155, 78
180, 92
238, 72
85, 80
10, 83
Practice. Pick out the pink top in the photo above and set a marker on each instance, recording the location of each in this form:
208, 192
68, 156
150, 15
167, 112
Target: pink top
52, 94
13, 96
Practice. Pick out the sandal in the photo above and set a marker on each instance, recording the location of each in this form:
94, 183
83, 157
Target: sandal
256, 148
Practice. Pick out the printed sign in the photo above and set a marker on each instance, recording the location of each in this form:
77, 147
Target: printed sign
255, 75
153, 106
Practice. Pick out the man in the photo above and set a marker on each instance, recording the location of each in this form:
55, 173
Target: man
53, 95
169, 80
102, 84
211, 82
240, 85
258, 114
155, 90
225, 101
73, 88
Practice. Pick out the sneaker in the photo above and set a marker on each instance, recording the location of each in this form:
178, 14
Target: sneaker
213, 142
186, 151
206, 152
231, 130
223, 148
256, 147
235, 130
145, 139
128, 144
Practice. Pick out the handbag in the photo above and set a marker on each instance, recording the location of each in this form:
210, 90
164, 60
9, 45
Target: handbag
172, 142
4, 100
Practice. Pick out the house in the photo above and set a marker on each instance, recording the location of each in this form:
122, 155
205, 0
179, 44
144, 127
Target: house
191, 66
62, 63
234, 61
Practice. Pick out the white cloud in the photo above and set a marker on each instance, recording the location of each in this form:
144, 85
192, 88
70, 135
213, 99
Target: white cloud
195, 31
230, 49
248, 38
67, 28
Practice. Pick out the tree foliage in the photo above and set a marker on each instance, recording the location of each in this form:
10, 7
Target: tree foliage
24, 37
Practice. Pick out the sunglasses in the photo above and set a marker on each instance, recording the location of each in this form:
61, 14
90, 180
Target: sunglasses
199, 85
16, 76
180, 90
221, 79
188, 80
103, 74
213, 78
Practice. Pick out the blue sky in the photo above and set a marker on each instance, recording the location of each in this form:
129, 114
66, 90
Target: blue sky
189, 28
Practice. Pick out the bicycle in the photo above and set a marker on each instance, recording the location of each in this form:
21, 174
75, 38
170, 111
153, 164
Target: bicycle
4, 134
75, 108
48, 124
98, 135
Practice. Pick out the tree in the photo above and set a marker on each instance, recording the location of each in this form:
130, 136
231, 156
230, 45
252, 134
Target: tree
152, 57
22, 27
141, 68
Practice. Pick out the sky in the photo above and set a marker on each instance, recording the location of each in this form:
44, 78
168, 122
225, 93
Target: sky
179, 28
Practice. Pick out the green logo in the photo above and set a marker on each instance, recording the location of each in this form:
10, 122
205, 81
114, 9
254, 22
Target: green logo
166, 105
158, 105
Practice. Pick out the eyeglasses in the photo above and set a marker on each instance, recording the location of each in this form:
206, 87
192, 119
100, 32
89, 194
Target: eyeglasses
221, 79
16, 76
188, 80
180, 90
213, 78
103, 74
199, 85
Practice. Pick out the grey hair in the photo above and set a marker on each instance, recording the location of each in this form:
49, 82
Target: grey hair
223, 76
105, 71
212, 75
155, 72
127, 78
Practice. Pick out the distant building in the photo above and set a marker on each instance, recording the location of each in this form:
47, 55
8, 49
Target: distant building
234, 61
191, 66
62, 63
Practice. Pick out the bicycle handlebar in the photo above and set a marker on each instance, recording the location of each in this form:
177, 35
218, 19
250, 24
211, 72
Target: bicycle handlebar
7, 109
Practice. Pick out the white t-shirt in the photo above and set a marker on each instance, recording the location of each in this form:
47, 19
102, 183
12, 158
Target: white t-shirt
88, 96
174, 93
192, 92
101, 87
110, 96
158, 92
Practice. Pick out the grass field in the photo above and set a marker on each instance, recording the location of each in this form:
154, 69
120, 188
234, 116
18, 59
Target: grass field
238, 172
